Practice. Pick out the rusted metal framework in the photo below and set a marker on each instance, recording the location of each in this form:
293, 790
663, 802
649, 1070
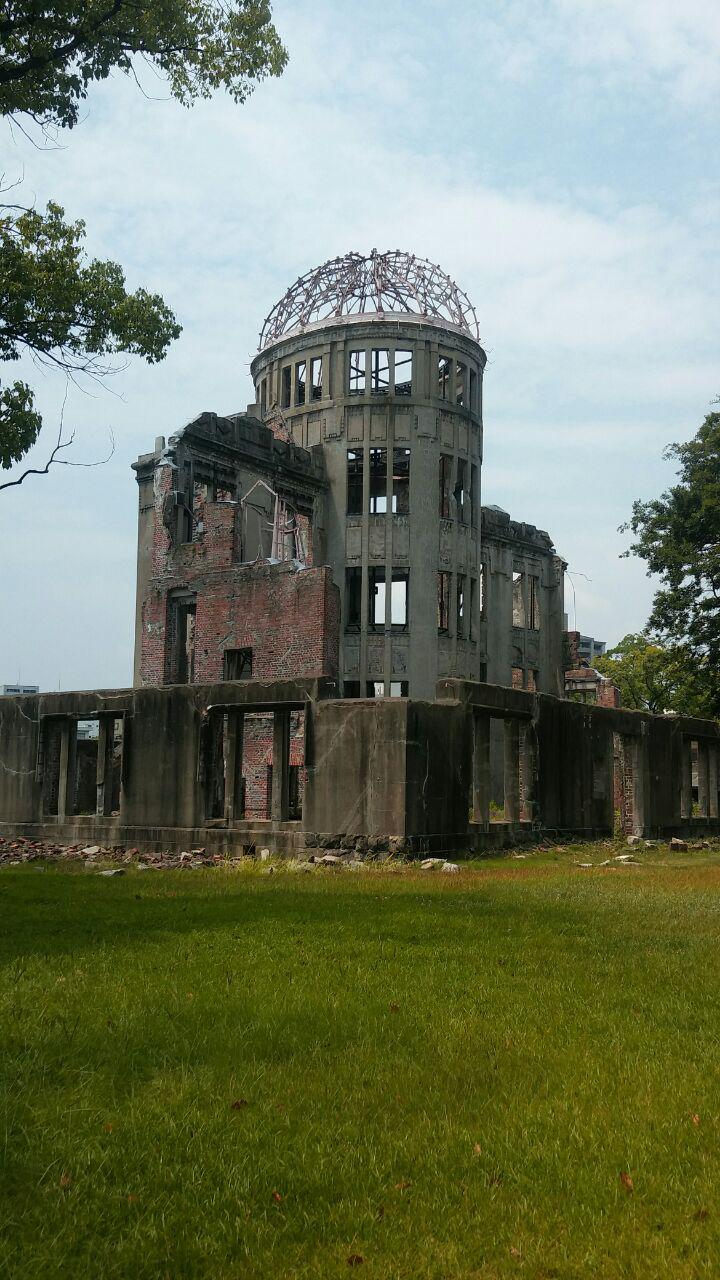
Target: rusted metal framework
394, 283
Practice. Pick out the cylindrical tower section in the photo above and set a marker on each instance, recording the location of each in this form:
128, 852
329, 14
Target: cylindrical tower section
394, 397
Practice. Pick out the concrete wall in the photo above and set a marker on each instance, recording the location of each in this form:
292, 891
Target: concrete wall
385, 773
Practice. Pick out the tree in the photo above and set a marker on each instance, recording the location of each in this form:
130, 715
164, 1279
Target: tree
678, 536
55, 304
657, 678
50, 55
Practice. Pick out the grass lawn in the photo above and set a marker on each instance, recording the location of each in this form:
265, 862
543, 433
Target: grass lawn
513, 1071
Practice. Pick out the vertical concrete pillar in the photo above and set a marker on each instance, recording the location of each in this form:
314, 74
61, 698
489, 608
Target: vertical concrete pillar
512, 771
66, 780
528, 771
481, 769
103, 775
280, 801
712, 780
686, 779
232, 765
703, 779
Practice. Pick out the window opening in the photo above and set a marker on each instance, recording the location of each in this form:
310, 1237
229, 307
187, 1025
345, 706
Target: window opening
380, 372
263, 396
516, 677
472, 608
351, 689
375, 689
399, 688
286, 389
182, 670
534, 603
403, 373
481, 586
353, 597
459, 492
518, 599
460, 384
300, 375
443, 600
401, 482
445, 474
376, 580
356, 373
316, 378
87, 734
399, 592
460, 605
444, 367
474, 496
355, 482
237, 664
378, 481
473, 391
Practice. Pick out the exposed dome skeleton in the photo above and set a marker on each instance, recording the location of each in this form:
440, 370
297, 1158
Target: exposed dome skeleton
392, 283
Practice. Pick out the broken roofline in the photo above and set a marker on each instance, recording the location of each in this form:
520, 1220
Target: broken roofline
400, 318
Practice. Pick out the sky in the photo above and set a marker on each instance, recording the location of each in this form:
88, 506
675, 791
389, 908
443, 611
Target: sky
558, 158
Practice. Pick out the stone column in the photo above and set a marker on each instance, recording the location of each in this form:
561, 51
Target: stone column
481, 769
66, 780
703, 779
232, 765
686, 779
104, 771
280, 801
512, 771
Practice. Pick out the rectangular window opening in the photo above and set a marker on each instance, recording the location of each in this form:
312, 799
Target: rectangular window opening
356, 373
353, 597
461, 384
316, 378
380, 371
443, 600
399, 688
517, 677
459, 492
444, 370
473, 391
355, 482
460, 603
474, 496
351, 689
375, 689
300, 377
403, 373
237, 664
87, 733
378, 481
472, 608
376, 594
286, 387
182, 640
445, 474
399, 593
401, 482
518, 599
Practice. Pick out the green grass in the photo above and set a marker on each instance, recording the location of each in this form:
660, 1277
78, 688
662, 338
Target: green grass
444, 1076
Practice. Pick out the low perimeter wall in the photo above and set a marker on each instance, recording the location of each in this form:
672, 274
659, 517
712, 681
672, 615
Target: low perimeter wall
166, 768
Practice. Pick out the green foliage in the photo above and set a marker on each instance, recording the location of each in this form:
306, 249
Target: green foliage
50, 55
443, 1077
678, 536
66, 311
657, 678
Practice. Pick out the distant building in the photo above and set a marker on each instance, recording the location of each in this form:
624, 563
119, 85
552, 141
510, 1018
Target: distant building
589, 649
17, 690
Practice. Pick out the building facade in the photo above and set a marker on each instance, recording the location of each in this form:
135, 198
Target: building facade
346, 500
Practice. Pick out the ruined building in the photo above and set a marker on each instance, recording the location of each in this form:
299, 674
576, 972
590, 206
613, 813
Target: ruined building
337, 644
336, 528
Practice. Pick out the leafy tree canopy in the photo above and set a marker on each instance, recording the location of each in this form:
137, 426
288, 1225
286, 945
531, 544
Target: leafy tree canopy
657, 678
55, 304
678, 536
65, 311
51, 54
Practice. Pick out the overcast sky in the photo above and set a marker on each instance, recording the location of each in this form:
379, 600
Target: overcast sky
557, 157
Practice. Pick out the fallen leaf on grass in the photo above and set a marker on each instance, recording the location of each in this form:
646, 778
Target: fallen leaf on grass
131, 1199
355, 1260
701, 1215
65, 1179
514, 1253
402, 1186
238, 1104
277, 1197
477, 1149
107, 1127
695, 1119
627, 1182
394, 1008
